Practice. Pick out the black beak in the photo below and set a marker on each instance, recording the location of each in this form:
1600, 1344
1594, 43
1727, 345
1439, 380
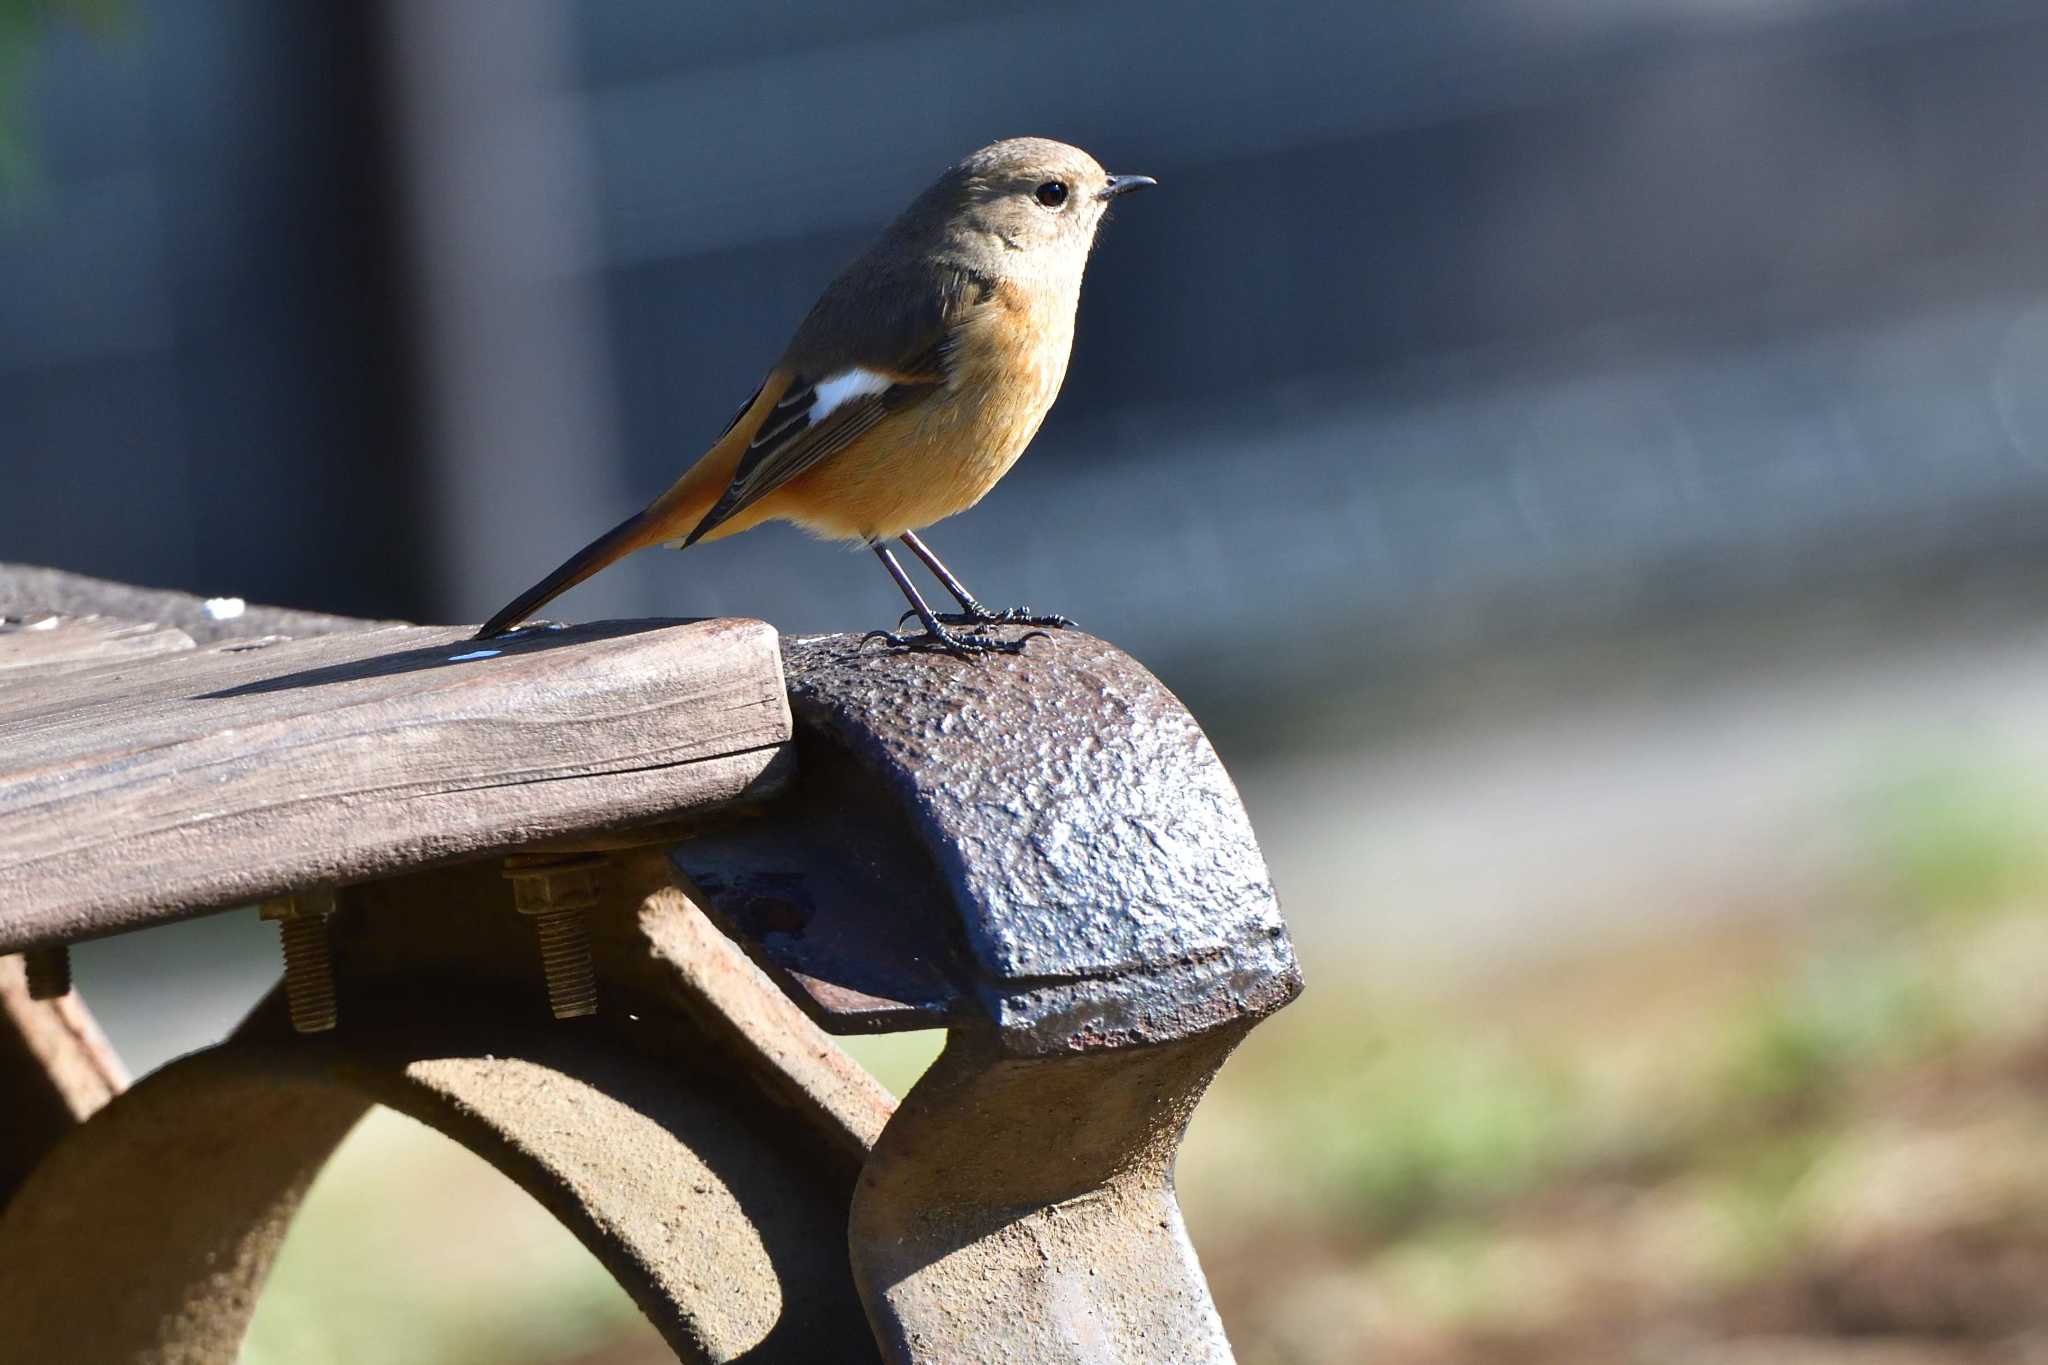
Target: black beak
1124, 184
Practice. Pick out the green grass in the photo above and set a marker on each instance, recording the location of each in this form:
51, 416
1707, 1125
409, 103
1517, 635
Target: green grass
1412, 1121
1855, 1006
1946, 841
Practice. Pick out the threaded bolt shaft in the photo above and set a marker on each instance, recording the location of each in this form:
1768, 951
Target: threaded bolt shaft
555, 893
48, 971
565, 958
308, 959
308, 973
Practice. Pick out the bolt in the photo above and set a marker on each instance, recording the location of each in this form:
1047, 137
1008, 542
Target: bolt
49, 971
555, 892
308, 957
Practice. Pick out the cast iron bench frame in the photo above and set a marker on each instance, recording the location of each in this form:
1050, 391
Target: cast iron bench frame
721, 847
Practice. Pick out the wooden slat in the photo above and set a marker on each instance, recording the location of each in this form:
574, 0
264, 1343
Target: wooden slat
51, 643
149, 788
29, 590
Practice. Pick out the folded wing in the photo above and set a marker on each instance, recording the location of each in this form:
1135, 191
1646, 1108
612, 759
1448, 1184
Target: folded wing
875, 345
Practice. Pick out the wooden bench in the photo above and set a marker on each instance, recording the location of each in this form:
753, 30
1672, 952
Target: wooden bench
588, 900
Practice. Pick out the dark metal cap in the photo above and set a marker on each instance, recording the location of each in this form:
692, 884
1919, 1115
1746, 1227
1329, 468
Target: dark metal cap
1047, 841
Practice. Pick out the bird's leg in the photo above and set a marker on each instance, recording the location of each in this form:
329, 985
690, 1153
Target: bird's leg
972, 612
935, 636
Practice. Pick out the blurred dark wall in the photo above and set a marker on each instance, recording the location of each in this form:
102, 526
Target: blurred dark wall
202, 362
386, 308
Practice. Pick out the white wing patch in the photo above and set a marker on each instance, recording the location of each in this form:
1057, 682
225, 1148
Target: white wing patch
843, 388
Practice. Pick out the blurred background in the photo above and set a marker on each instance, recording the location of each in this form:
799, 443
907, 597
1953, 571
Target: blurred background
1585, 461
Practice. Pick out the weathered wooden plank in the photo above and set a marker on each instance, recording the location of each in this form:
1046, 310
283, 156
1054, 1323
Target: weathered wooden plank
145, 789
30, 590
51, 643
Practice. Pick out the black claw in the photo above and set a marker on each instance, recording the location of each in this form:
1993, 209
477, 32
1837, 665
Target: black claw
959, 646
1014, 616
1023, 616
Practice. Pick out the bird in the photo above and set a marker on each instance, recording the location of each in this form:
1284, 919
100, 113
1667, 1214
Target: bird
911, 387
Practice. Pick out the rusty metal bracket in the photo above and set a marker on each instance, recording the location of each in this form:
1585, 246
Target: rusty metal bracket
1026, 1205
1046, 843
56, 1071
1045, 855
700, 1137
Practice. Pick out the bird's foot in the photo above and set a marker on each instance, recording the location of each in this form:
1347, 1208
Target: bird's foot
941, 640
978, 615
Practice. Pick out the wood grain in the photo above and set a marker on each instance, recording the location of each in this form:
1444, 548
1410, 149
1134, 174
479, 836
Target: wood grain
52, 643
30, 590
148, 788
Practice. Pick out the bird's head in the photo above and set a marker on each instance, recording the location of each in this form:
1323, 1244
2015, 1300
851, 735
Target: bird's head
1029, 201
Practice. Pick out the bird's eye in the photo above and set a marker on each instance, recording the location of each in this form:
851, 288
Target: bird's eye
1052, 194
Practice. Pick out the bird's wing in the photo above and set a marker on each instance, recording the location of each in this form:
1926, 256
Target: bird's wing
859, 357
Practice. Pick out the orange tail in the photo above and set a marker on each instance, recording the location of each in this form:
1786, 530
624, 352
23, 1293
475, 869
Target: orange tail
669, 518
628, 536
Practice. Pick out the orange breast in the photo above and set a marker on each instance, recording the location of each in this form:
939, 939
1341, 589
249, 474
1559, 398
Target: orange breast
942, 455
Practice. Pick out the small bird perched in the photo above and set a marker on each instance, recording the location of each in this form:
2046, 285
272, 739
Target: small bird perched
910, 389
